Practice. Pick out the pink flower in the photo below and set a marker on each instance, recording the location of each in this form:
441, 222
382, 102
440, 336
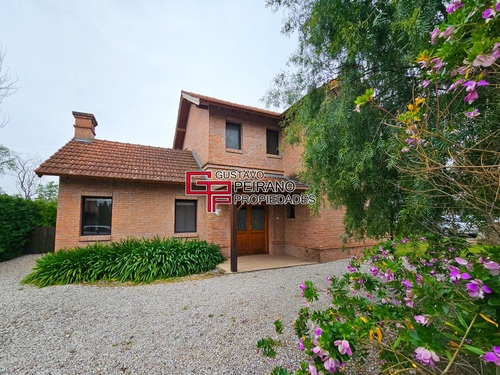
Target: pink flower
471, 96
317, 331
489, 13
425, 83
471, 87
476, 289
434, 35
302, 286
357, 109
318, 351
455, 85
455, 275
332, 364
301, 344
493, 356
389, 276
438, 64
404, 240
472, 114
343, 347
486, 60
351, 269
426, 357
313, 370
419, 279
405, 149
454, 5
497, 7
407, 284
462, 262
493, 267
422, 319
374, 270
447, 33
408, 302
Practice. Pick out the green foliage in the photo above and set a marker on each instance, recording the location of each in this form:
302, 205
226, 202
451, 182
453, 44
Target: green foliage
6, 160
347, 47
446, 143
278, 326
48, 192
47, 213
133, 260
47, 203
18, 217
266, 347
280, 371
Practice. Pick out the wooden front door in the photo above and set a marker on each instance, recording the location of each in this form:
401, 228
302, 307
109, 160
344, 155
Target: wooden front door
252, 230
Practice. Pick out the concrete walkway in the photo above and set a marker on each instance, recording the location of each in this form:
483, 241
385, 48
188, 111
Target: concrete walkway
264, 262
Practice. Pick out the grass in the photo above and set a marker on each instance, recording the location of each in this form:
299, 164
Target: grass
132, 260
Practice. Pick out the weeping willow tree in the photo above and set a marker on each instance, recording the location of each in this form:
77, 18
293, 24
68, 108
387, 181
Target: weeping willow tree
346, 47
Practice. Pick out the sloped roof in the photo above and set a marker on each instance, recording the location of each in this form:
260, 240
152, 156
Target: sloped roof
188, 98
225, 103
106, 159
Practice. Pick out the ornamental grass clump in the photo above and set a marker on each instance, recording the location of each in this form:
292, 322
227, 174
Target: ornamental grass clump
133, 260
408, 314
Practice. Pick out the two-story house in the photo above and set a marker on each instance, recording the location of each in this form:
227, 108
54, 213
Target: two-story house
110, 190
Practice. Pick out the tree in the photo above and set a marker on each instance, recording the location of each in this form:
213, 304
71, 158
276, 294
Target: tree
447, 143
6, 88
6, 160
6, 85
346, 47
26, 180
48, 192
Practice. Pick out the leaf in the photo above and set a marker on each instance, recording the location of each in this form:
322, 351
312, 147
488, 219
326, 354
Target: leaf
475, 350
448, 355
461, 320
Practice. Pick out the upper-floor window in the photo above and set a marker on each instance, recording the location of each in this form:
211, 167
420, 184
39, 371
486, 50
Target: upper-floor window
233, 136
272, 142
96, 216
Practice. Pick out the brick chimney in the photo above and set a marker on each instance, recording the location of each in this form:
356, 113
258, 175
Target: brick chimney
85, 124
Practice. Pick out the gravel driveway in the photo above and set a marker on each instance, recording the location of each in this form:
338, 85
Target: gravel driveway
207, 326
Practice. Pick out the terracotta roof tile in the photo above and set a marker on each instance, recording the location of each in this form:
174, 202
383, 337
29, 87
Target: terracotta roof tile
106, 159
233, 105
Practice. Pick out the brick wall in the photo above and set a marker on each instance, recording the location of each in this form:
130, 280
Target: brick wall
291, 159
196, 138
321, 237
253, 154
139, 210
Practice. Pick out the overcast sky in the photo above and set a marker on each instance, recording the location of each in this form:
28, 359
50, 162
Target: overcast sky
126, 62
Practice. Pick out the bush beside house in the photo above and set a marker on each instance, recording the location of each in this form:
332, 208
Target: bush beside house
18, 218
134, 260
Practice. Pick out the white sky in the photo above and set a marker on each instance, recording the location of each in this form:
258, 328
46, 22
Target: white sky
126, 62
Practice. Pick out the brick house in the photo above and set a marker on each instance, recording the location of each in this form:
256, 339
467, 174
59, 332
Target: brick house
111, 190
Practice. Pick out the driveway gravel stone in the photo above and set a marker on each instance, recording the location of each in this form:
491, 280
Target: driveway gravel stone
205, 326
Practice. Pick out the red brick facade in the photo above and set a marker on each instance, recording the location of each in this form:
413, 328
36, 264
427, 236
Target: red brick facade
144, 205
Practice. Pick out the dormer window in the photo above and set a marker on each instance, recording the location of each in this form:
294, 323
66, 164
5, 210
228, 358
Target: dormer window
233, 136
272, 142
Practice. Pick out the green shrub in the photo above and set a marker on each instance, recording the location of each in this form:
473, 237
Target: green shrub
134, 260
18, 218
